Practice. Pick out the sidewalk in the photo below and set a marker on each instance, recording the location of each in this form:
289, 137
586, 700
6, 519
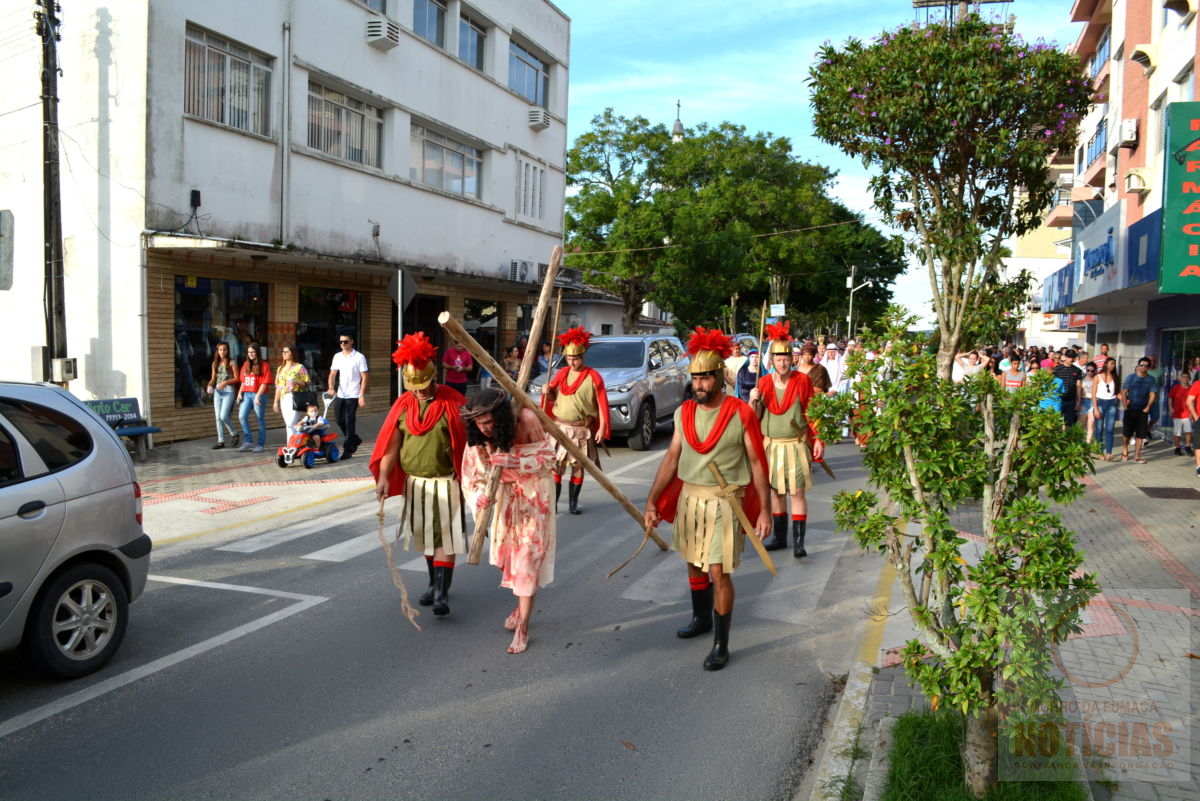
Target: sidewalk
1130, 674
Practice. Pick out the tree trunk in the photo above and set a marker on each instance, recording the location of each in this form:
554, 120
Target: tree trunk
945, 356
979, 747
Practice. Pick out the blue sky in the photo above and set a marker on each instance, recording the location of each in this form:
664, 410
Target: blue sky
747, 62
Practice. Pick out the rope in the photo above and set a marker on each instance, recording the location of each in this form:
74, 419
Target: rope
405, 607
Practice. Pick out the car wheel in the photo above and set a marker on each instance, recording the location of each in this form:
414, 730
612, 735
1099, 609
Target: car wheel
281, 460
77, 621
643, 432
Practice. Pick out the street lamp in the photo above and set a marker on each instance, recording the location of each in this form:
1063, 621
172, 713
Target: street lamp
850, 311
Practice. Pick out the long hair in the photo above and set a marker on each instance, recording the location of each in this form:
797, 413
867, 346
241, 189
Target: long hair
254, 364
504, 421
227, 361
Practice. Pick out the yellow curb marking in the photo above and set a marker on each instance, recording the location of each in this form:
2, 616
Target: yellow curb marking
271, 516
872, 640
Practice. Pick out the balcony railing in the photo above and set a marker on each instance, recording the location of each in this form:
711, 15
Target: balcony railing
1098, 144
1100, 58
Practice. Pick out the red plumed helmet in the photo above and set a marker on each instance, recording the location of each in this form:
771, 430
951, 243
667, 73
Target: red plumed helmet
780, 337
575, 341
708, 348
415, 355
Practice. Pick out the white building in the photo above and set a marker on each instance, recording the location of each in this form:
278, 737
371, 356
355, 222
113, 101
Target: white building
280, 171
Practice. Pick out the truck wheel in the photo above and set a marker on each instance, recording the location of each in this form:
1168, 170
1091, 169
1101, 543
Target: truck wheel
643, 432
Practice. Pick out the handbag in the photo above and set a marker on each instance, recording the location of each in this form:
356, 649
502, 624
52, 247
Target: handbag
300, 400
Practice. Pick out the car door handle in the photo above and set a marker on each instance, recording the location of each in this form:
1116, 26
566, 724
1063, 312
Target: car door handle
31, 509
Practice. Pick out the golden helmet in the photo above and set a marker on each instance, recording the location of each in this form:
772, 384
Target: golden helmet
708, 349
575, 341
781, 339
416, 355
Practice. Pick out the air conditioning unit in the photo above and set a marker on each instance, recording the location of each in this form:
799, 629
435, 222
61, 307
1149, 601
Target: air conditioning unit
382, 33
519, 270
1066, 180
1137, 180
1129, 132
539, 118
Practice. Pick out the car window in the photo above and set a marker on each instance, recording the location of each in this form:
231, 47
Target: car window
669, 351
656, 355
614, 354
60, 440
10, 469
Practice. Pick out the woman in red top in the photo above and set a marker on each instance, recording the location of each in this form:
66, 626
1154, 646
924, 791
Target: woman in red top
252, 394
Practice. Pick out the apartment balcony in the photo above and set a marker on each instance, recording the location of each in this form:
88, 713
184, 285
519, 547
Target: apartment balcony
1059, 217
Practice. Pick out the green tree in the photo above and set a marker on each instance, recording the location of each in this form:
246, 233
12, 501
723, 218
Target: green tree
693, 224
959, 120
987, 626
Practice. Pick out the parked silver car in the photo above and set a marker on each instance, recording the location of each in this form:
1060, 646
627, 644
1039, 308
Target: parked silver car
646, 378
73, 554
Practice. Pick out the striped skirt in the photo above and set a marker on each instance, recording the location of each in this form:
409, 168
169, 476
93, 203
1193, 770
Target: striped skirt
790, 470
707, 531
433, 515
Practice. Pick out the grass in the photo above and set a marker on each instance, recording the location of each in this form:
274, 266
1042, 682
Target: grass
926, 766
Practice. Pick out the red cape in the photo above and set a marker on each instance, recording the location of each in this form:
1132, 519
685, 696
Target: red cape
446, 402
799, 389
558, 384
751, 503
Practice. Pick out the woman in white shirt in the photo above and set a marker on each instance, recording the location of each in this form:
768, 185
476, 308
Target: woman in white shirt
1106, 389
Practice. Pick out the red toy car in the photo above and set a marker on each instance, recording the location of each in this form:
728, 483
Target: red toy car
300, 449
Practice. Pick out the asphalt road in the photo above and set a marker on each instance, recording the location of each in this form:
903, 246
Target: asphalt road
288, 672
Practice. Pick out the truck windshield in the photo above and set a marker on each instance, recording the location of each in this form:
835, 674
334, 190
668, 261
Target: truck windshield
615, 354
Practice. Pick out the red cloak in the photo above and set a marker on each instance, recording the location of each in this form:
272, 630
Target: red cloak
559, 384
798, 389
751, 503
446, 403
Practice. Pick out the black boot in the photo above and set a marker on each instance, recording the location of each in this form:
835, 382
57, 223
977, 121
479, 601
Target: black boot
426, 598
442, 577
778, 539
573, 498
798, 527
701, 623
557, 494
720, 650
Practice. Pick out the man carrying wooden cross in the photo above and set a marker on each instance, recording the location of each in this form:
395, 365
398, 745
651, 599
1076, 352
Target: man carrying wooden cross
523, 526
419, 455
713, 430
791, 441
577, 401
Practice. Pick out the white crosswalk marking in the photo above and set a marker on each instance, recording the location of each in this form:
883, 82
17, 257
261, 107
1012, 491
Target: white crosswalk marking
349, 549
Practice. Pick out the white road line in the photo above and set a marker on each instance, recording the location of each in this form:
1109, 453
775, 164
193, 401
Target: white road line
666, 583
656, 455
349, 549
293, 532
41, 713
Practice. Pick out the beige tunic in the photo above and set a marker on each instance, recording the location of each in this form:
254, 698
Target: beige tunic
706, 530
790, 471
574, 415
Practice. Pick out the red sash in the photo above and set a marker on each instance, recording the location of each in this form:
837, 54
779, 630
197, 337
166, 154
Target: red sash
798, 387
559, 384
669, 499
446, 402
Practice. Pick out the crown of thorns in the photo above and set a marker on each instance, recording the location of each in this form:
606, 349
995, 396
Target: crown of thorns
710, 339
414, 349
488, 400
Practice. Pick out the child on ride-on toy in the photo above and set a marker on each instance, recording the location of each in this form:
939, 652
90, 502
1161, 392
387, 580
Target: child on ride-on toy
312, 423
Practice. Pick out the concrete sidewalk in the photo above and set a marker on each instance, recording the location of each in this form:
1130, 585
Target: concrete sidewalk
1130, 675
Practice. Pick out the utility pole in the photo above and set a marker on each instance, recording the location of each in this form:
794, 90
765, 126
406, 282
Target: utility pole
53, 298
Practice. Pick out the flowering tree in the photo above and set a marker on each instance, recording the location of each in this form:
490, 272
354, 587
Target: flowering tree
960, 120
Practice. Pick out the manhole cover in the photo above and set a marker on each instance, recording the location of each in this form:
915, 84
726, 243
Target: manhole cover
1172, 493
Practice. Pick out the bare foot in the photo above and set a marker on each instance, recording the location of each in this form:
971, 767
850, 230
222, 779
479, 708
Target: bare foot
510, 622
520, 639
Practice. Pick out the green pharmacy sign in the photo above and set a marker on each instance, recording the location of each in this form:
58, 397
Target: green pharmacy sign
1180, 270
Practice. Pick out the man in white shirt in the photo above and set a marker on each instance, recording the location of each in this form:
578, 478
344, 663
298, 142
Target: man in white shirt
348, 373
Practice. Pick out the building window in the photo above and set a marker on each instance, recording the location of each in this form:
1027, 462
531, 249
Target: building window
324, 314
226, 83
528, 75
209, 311
605, 329
1183, 86
531, 190
429, 21
442, 162
471, 38
344, 127
377, 5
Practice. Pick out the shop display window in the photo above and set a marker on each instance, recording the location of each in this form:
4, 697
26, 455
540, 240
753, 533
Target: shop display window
324, 314
208, 311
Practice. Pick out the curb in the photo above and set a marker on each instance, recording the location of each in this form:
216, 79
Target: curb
881, 761
838, 760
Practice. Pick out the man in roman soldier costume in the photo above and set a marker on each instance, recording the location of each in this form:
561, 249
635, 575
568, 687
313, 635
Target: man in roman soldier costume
718, 430
576, 399
523, 527
419, 455
791, 441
